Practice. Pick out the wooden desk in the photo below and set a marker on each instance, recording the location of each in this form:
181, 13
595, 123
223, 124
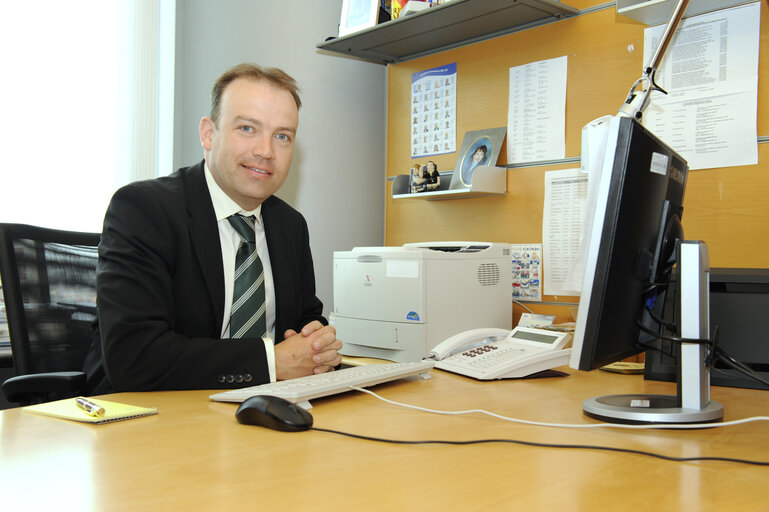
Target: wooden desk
193, 455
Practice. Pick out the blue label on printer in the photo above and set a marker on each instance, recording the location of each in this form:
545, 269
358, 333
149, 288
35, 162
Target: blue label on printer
412, 315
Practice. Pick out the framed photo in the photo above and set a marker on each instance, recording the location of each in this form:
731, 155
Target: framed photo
357, 15
480, 147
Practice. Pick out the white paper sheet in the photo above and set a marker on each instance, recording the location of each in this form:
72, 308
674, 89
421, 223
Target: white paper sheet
562, 220
594, 137
536, 112
710, 71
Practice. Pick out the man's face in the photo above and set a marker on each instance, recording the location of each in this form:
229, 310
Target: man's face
249, 150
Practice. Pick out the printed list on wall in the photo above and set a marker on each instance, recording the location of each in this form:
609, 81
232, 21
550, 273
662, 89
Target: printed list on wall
710, 72
536, 112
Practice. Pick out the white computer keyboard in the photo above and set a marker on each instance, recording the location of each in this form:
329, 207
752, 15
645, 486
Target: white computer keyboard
304, 389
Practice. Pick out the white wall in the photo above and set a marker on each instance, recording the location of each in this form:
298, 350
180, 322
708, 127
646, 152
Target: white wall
337, 176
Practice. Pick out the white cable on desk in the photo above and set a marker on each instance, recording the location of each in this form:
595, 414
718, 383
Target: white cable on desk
578, 426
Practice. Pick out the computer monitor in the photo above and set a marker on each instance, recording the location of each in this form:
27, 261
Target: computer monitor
635, 239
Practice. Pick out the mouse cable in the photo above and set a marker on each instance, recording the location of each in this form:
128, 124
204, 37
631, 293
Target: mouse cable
658, 426
546, 445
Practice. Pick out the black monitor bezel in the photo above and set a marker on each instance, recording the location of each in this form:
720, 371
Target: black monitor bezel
627, 251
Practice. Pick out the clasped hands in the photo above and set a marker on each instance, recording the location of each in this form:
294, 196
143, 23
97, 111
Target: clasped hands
313, 350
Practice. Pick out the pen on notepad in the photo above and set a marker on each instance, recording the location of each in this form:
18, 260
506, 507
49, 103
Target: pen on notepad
89, 407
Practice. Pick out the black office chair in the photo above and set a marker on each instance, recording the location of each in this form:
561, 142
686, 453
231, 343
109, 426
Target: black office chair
49, 285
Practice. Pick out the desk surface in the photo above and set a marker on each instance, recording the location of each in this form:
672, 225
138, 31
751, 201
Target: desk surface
193, 455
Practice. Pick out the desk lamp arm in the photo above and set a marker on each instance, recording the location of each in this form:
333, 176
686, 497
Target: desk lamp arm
639, 96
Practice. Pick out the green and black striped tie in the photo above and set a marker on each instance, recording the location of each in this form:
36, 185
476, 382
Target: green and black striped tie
247, 319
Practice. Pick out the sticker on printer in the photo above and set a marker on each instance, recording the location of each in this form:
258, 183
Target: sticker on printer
412, 315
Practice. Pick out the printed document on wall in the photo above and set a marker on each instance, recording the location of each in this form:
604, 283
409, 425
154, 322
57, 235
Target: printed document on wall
710, 71
434, 111
536, 111
562, 219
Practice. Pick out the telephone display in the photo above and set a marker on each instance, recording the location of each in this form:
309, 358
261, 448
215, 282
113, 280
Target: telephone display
492, 353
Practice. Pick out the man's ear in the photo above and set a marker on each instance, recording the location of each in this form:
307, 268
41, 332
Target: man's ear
207, 128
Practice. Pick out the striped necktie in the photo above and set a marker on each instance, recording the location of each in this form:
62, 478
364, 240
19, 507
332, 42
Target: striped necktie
247, 319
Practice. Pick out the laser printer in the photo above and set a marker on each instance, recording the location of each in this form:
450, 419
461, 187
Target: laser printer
397, 303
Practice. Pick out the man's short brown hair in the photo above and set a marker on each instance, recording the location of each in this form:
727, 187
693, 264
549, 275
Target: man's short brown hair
276, 77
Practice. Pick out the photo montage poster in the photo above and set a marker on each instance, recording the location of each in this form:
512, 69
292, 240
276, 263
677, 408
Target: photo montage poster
479, 147
527, 271
434, 111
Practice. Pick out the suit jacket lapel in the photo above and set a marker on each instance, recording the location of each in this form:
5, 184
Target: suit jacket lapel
204, 234
275, 233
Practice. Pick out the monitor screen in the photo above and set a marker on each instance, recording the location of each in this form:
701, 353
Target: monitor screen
639, 204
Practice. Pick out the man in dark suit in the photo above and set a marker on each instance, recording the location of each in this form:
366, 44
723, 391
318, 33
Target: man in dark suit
166, 268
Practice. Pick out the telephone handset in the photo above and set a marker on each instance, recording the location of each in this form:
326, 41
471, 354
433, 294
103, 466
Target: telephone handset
467, 340
491, 353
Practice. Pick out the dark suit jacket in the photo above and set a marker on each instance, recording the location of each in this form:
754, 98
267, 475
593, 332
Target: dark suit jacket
160, 290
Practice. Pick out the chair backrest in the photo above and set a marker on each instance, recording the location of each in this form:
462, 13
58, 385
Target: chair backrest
49, 285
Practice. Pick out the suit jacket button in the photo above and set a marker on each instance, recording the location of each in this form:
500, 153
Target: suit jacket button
238, 378
230, 379
220, 379
247, 377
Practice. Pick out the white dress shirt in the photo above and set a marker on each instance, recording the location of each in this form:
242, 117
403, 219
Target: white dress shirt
224, 207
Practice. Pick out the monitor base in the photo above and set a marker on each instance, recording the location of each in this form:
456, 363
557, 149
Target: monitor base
649, 409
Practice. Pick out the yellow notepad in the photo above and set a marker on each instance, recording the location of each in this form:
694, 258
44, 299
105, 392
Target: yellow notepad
68, 409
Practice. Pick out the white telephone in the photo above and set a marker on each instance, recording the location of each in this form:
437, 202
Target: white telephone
492, 353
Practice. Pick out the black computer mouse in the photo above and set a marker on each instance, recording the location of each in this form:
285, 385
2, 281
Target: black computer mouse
275, 413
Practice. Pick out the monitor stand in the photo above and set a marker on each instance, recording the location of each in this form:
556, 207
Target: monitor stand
692, 404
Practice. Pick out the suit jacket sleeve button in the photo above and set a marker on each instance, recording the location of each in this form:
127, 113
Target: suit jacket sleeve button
247, 377
230, 379
220, 379
238, 378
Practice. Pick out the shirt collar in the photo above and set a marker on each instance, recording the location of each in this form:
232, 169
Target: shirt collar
224, 206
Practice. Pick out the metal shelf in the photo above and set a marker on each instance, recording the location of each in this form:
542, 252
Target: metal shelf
487, 181
450, 25
655, 12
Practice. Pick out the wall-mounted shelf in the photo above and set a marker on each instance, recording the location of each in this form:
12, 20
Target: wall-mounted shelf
487, 181
455, 23
654, 12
